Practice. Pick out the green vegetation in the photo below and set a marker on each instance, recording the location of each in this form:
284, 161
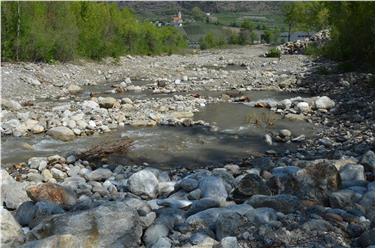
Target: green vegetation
273, 53
243, 36
352, 30
198, 14
353, 33
212, 41
271, 36
49, 31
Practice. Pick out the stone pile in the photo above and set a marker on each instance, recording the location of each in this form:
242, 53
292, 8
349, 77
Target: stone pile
298, 47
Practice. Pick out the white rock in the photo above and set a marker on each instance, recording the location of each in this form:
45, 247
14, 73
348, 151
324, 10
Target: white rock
37, 129
90, 104
303, 107
143, 183
324, 102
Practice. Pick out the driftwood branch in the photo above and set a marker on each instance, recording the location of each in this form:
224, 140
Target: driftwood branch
101, 151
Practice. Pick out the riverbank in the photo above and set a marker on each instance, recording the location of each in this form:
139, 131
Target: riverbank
294, 187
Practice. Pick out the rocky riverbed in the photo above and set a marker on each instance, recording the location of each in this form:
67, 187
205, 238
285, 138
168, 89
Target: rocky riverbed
253, 152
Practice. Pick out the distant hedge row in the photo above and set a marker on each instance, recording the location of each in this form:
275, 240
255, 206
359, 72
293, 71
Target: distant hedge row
48, 31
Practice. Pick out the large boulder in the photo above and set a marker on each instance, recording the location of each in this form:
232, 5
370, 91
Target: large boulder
11, 233
113, 224
30, 214
352, 172
143, 183
317, 180
13, 193
61, 133
249, 185
52, 192
228, 224
213, 187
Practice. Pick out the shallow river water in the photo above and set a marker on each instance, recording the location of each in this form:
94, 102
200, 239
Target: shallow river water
237, 136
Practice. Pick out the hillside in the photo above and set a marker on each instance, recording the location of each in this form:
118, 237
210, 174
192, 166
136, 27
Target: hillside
263, 14
160, 9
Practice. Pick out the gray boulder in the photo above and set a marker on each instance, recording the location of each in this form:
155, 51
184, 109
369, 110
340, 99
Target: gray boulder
213, 187
61, 133
188, 184
343, 198
352, 172
315, 181
249, 185
96, 226
25, 213
368, 160
13, 193
99, 174
154, 233
228, 224
11, 233
229, 242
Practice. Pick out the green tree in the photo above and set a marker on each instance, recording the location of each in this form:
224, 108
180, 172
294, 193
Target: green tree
198, 14
48, 31
247, 24
293, 13
352, 27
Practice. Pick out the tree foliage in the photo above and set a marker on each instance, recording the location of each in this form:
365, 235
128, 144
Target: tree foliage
351, 24
65, 30
198, 14
210, 40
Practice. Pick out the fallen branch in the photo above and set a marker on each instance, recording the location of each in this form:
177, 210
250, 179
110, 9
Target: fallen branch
104, 150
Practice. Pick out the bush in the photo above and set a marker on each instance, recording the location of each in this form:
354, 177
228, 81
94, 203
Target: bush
212, 41
312, 50
273, 53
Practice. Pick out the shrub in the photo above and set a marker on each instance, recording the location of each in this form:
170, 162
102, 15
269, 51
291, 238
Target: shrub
212, 41
273, 53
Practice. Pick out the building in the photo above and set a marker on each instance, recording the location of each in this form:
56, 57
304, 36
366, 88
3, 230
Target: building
177, 21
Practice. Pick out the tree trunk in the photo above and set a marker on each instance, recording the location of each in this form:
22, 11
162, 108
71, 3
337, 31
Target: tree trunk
289, 35
18, 29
